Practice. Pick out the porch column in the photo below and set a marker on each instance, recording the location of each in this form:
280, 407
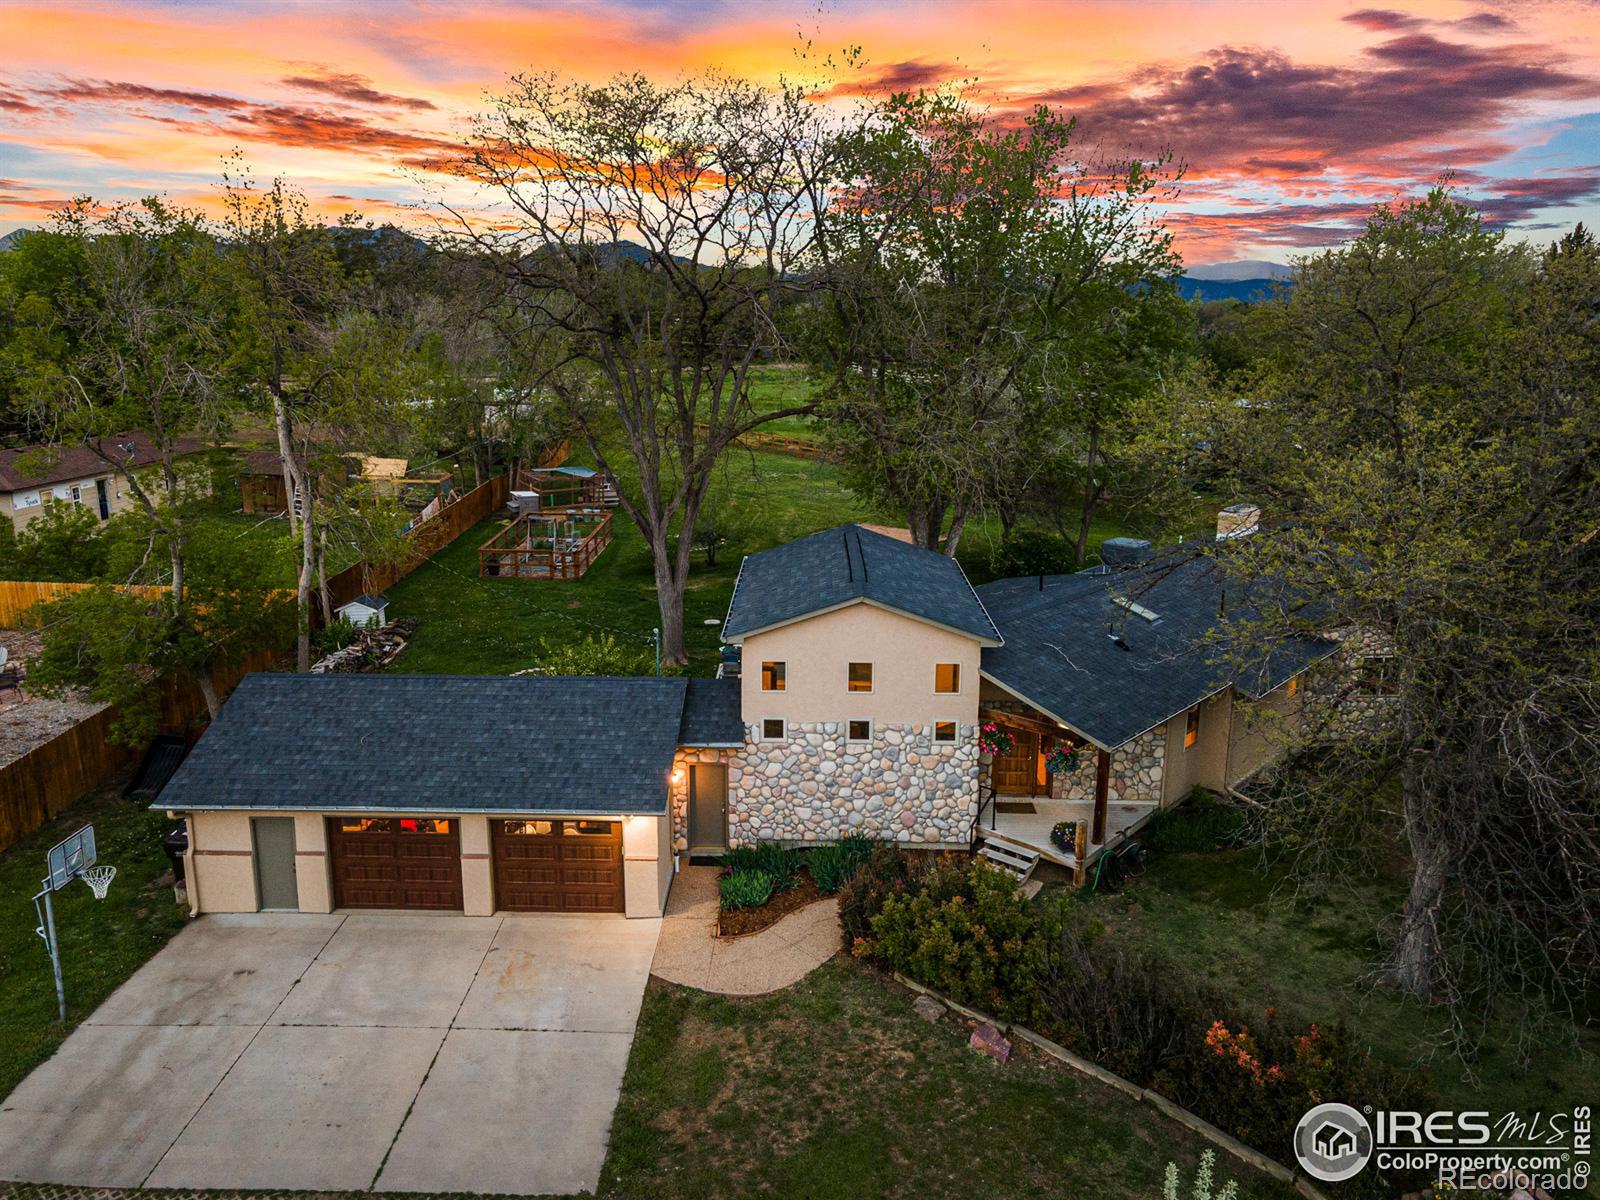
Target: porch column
1102, 782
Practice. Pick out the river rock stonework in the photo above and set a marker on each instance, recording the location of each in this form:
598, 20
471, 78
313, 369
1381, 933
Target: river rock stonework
1137, 770
816, 787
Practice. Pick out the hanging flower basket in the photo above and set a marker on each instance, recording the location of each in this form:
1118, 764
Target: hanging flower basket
1062, 760
1065, 835
994, 741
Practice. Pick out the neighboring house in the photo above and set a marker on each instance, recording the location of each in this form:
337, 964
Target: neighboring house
34, 477
865, 668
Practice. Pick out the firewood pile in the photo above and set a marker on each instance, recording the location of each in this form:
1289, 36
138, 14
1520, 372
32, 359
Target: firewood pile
370, 652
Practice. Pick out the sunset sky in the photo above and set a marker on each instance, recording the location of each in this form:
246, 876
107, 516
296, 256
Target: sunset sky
1292, 118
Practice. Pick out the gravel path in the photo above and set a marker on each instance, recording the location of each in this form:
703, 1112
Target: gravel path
28, 720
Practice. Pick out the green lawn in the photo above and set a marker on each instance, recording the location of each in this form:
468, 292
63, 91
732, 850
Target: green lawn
102, 942
776, 387
471, 625
835, 1088
1224, 916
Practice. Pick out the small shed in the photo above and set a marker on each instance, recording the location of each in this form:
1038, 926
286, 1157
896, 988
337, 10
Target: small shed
365, 611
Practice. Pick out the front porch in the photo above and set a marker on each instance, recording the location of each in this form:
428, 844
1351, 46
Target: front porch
1026, 821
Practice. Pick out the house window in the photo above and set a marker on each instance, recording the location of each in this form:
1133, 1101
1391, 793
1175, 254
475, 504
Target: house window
947, 678
858, 731
1292, 687
366, 825
1191, 732
944, 731
527, 828
772, 729
774, 676
424, 825
860, 677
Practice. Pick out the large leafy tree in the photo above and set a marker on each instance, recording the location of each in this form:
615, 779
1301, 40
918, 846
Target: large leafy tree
993, 300
314, 345
1425, 435
649, 238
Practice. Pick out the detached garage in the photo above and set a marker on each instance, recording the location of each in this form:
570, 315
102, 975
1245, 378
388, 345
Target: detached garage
445, 793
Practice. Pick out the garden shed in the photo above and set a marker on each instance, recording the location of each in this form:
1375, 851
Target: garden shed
365, 610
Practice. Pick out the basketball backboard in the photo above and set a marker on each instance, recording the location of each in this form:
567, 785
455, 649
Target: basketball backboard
68, 858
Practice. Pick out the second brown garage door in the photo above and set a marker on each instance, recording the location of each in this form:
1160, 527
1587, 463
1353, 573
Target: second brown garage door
557, 866
395, 862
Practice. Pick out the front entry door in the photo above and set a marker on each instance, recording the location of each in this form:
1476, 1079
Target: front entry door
274, 846
1017, 773
708, 806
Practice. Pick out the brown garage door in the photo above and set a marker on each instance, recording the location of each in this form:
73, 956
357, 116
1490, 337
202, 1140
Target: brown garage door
557, 866
395, 862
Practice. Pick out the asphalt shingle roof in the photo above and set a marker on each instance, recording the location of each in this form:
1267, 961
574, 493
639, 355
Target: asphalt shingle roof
711, 714
1060, 655
437, 743
60, 464
850, 563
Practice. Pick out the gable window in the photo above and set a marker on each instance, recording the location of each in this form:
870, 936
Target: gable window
944, 731
860, 677
858, 731
774, 676
1191, 732
947, 678
1292, 687
772, 729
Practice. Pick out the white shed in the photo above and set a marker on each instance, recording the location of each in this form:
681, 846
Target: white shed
365, 611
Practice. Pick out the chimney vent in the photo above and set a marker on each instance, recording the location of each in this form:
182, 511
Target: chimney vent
1237, 521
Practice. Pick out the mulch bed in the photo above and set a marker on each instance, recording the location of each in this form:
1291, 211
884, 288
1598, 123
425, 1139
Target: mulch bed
741, 921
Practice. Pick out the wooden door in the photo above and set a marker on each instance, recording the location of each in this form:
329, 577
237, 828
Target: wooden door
543, 865
1016, 774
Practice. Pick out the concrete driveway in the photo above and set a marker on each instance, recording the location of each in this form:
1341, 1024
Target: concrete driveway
387, 1051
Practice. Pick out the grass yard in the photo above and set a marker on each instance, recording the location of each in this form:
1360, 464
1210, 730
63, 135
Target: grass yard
1234, 923
471, 625
781, 386
102, 942
835, 1088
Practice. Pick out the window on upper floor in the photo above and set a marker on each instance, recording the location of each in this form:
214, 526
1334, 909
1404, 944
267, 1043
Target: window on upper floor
1191, 731
947, 678
772, 729
944, 731
858, 731
860, 677
774, 676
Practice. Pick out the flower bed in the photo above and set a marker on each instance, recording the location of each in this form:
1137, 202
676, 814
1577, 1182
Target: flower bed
762, 884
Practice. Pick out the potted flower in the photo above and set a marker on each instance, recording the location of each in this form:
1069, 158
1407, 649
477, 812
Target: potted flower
1061, 760
994, 741
1065, 835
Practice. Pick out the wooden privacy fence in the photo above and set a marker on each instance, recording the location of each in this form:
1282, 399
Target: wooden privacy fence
427, 539
17, 598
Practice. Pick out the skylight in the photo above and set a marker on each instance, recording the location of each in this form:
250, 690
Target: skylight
1137, 610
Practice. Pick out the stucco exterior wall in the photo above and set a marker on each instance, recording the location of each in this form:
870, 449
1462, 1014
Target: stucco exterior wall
477, 869
646, 865
224, 878
313, 874
1260, 729
818, 651
1204, 764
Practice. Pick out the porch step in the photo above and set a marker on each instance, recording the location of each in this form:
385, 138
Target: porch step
1014, 860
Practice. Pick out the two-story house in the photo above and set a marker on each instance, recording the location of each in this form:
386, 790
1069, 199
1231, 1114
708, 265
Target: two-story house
865, 668
32, 478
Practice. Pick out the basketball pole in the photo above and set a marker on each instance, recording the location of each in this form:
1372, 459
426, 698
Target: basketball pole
47, 930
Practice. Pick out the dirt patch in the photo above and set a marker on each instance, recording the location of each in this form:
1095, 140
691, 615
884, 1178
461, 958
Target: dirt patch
740, 921
28, 720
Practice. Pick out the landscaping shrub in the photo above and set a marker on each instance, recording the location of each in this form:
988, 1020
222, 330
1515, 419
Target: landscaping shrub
835, 865
966, 930
745, 889
739, 858
1201, 823
780, 862
887, 872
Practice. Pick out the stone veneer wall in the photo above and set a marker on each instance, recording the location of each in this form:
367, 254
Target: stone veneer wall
1137, 770
815, 787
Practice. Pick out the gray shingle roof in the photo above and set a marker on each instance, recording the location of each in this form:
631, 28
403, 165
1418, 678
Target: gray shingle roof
1060, 656
850, 563
437, 743
711, 714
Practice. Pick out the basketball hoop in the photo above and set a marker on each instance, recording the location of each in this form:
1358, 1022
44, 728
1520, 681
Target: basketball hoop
99, 879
